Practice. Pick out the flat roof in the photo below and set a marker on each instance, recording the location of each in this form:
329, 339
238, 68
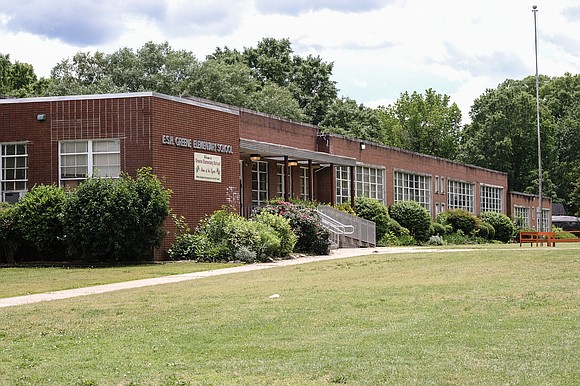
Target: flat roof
193, 102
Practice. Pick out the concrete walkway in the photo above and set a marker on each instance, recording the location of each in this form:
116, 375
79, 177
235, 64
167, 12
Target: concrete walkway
335, 254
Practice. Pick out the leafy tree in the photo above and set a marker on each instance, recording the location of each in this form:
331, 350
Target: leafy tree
18, 79
276, 100
345, 116
427, 124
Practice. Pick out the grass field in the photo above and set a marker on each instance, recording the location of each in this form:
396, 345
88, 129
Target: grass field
480, 317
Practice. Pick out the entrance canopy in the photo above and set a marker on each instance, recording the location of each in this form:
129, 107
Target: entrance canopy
278, 152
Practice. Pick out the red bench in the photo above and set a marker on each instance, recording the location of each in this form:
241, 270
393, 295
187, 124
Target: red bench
546, 237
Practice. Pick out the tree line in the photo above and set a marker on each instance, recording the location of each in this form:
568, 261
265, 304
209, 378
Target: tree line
270, 78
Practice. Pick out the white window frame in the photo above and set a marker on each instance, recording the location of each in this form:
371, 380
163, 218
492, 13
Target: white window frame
370, 182
92, 168
491, 198
280, 183
412, 187
304, 183
461, 195
523, 213
259, 182
19, 186
343, 179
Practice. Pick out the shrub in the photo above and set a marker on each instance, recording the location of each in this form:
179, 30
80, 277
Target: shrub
461, 219
345, 207
504, 227
439, 229
414, 217
435, 240
111, 220
485, 231
38, 219
373, 210
9, 239
282, 228
305, 222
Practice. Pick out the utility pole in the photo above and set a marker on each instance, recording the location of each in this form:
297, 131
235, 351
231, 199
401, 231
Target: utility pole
539, 210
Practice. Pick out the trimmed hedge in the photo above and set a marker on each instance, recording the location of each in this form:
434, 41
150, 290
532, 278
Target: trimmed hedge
414, 217
503, 225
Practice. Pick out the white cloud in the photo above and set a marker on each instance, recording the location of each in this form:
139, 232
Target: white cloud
380, 49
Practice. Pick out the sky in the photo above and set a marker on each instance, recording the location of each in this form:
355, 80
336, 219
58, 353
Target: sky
379, 48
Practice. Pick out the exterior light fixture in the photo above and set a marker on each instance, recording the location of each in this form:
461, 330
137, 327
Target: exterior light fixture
41, 117
292, 163
255, 157
363, 146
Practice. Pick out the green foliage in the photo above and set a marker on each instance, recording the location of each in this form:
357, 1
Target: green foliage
503, 225
282, 228
438, 229
9, 238
38, 219
226, 236
414, 217
460, 219
113, 220
373, 210
305, 222
345, 207
428, 124
485, 230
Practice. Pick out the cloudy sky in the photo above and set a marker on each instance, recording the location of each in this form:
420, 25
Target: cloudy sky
380, 48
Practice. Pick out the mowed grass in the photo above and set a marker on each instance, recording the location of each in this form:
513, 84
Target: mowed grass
469, 318
34, 280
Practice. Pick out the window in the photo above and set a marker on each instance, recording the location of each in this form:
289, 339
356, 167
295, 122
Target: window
370, 183
413, 187
545, 220
304, 183
280, 183
14, 171
436, 184
522, 216
342, 184
259, 182
442, 187
491, 198
460, 195
82, 159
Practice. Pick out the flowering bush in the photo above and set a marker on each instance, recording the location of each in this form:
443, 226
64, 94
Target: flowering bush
313, 237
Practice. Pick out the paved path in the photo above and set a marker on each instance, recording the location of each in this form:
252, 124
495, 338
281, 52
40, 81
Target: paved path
335, 254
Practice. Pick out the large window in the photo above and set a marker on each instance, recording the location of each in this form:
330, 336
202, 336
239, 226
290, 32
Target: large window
491, 198
413, 187
522, 216
14, 171
370, 183
280, 183
304, 183
82, 159
259, 182
460, 195
342, 184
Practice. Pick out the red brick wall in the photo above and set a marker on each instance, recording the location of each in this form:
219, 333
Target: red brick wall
531, 202
174, 165
260, 127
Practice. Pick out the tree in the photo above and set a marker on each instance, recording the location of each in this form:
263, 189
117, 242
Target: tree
17, 79
345, 116
426, 124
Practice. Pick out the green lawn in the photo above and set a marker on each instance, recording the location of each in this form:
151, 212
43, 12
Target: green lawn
480, 317
31, 280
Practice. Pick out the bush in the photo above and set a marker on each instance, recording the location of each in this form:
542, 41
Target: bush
460, 219
373, 210
485, 231
305, 222
345, 207
504, 227
38, 219
440, 229
111, 220
282, 228
9, 239
414, 217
